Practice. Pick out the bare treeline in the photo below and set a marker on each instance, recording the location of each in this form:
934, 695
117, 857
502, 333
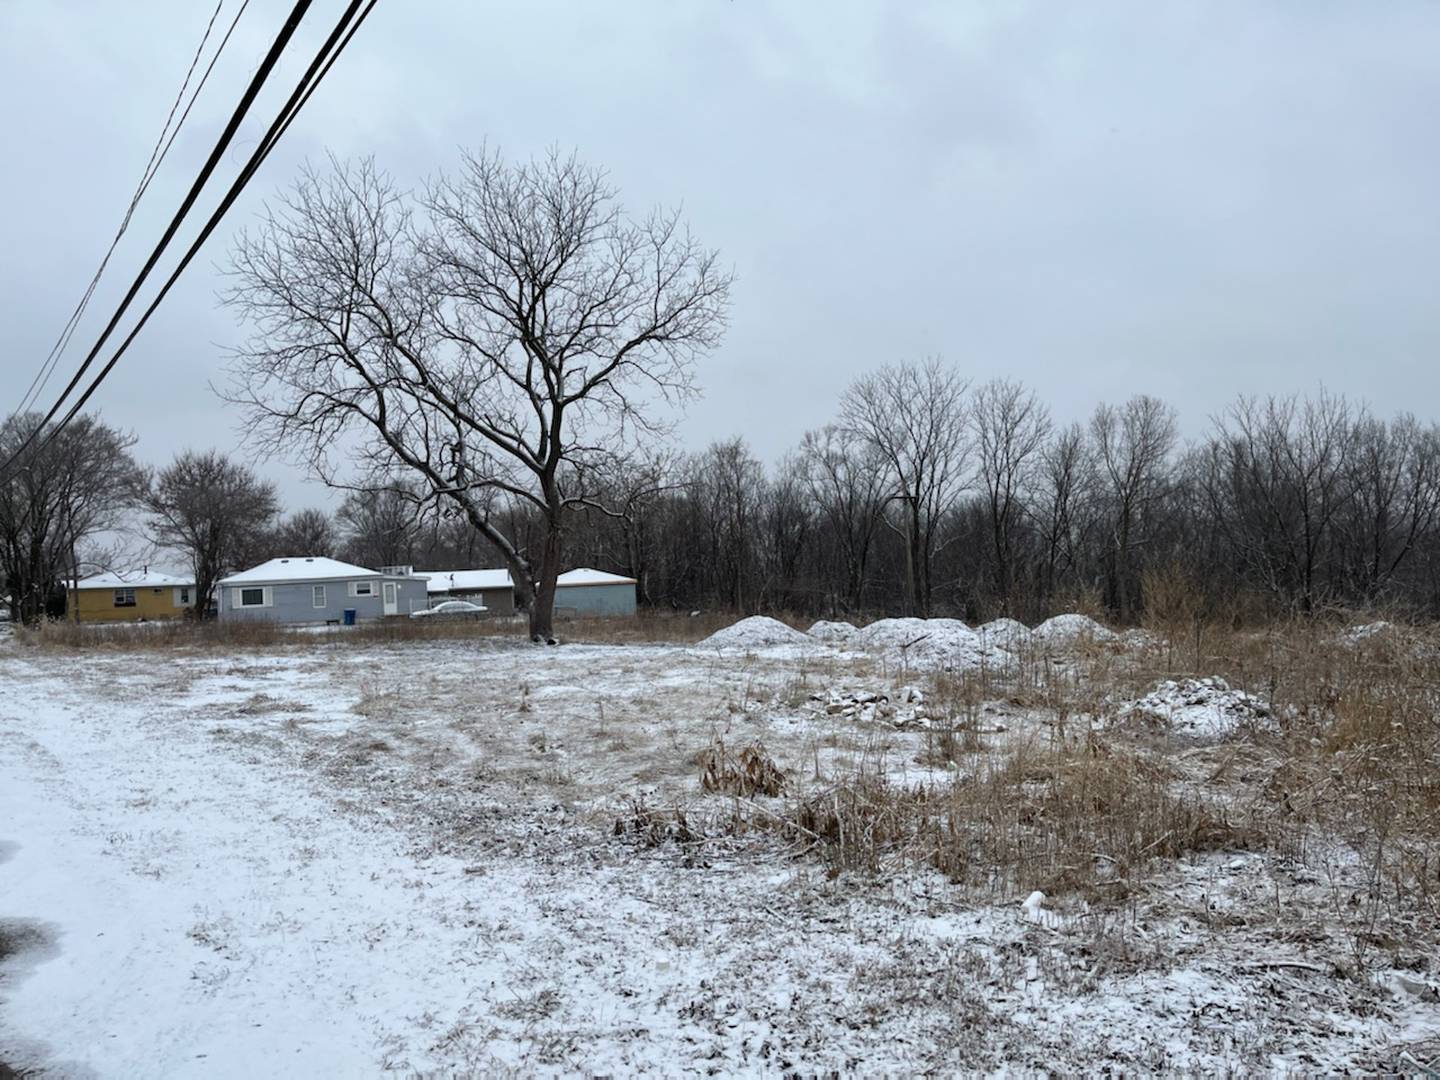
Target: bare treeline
929, 496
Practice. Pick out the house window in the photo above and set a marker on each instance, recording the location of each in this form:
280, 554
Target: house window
252, 597
184, 595
317, 596
124, 597
362, 588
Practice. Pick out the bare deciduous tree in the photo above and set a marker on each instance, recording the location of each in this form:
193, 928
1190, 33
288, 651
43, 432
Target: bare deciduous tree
913, 418
1010, 426
1133, 444
381, 524
305, 532
58, 493
846, 482
509, 338
215, 511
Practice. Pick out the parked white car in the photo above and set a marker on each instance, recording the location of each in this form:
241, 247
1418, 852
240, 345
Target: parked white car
451, 609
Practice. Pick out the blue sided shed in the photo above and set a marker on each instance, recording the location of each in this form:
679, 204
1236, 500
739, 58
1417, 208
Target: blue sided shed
594, 592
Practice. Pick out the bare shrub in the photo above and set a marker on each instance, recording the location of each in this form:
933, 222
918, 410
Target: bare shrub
650, 828
750, 772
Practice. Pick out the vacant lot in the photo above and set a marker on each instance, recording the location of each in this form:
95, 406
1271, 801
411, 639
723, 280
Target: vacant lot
336, 855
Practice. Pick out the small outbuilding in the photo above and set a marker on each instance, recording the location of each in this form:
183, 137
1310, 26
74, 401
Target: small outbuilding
318, 590
136, 596
594, 592
492, 589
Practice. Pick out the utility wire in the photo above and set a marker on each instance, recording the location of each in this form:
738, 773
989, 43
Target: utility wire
287, 30
157, 158
324, 60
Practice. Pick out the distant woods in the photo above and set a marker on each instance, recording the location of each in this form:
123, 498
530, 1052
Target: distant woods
928, 495
925, 495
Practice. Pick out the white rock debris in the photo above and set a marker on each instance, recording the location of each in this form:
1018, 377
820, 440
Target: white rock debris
1207, 707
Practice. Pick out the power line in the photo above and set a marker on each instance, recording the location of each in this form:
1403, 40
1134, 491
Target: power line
324, 60
152, 167
272, 56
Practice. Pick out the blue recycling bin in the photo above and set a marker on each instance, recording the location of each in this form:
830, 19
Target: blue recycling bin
349, 616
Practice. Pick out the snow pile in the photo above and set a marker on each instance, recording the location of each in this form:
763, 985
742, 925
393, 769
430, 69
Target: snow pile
836, 632
1006, 633
756, 632
1198, 707
943, 643
1355, 635
1072, 629
1139, 639
905, 633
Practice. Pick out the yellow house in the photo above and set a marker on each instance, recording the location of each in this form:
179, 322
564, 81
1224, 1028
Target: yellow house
130, 597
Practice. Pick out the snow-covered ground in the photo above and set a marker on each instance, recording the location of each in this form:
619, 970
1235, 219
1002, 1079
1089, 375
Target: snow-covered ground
448, 857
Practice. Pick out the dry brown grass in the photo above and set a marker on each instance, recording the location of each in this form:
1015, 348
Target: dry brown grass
1088, 820
646, 627
751, 771
1092, 809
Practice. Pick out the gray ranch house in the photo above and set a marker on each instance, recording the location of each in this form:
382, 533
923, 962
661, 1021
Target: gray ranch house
319, 590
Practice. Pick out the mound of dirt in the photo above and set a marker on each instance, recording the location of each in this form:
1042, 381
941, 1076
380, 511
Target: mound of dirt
1071, 630
756, 632
903, 633
1006, 633
942, 643
1206, 707
837, 632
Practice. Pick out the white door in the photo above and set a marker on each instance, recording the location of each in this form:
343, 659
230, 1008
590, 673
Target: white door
392, 607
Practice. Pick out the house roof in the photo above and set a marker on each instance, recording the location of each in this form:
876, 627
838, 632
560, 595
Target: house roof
133, 579
585, 576
299, 568
444, 581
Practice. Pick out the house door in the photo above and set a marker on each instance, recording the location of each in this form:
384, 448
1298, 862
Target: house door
392, 606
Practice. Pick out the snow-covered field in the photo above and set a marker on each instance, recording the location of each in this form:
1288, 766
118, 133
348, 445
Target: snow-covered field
447, 857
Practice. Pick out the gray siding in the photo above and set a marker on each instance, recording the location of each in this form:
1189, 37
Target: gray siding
294, 602
610, 599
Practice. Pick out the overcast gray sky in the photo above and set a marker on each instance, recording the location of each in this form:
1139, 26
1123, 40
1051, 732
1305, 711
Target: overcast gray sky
1185, 199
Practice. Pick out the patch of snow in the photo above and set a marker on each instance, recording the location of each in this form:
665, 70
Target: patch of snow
584, 575
838, 632
756, 632
1138, 638
443, 581
1206, 707
1072, 629
1355, 634
282, 571
942, 643
1006, 633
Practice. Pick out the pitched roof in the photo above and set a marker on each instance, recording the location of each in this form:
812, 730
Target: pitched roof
443, 581
585, 576
133, 579
298, 568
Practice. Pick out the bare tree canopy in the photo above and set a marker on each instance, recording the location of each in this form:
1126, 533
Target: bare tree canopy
913, 418
213, 510
500, 338
1010, 427
60, 492
305, 533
